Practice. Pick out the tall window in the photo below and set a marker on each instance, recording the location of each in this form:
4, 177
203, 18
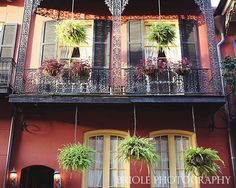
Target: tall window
140, 48
51, 48
107, 171
102, 37
7, 39
189, 40
170, 146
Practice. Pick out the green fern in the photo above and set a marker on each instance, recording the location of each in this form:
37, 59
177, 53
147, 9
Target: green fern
202, 161
71, 32
163, 34
139, 150
75, 157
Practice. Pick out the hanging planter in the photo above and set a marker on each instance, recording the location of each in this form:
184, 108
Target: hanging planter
202, 161
163, 34
71, 32
139, 150
75, 157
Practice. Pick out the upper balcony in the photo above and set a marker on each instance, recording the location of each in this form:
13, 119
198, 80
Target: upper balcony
116, 42
7, 74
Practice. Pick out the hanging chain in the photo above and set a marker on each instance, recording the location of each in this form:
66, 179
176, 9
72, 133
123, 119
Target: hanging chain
194, 123
135, 121
73, 8
76, 123
159, 9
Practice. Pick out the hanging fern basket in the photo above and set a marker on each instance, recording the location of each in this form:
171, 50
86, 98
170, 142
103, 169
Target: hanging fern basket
202, 161
138, 150
75, 157
71, 32
163, 34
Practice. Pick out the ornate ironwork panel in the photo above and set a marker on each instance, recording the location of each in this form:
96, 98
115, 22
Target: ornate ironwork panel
97, 83
116, 8
214, 61
28, 10
168, 82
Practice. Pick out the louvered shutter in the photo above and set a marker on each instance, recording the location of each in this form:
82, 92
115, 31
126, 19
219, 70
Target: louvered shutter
49, 41
102, 33
8, 40
189, 40
135, 42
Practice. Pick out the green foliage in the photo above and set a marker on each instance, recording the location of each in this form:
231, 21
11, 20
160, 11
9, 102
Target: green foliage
71, 32
202, 161
138, 149
229, 71
75, 157
163, 34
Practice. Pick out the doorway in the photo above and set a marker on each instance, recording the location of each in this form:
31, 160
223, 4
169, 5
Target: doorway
36, 176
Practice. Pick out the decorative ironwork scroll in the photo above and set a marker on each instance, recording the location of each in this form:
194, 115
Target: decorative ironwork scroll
36, 4
200, 3
116, 8
28, 10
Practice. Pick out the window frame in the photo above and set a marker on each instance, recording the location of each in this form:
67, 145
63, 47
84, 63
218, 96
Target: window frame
106, 155
170, 133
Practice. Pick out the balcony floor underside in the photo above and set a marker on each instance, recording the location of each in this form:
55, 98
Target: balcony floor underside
104, 99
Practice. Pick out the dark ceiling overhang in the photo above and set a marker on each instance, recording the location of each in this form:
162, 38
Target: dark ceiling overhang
134, 7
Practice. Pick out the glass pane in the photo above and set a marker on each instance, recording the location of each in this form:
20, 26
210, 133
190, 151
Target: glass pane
99, 160
185, 143
6, 52
113, 144
99, 143
113, 178
135, 31
48, 51
177, 143
91, 142
164, 161
98, 178
50, 34
90, 181
9, 33
164, 144
135, 54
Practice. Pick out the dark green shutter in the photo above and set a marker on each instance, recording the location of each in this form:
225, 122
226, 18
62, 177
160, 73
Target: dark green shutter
49, 41
189, 40
102, 33
135, 42
8, 40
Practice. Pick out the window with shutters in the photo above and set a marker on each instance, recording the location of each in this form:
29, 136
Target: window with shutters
7, 39
102, 37
107, 171
140, 48
135, 42
51, 48
173, 52
170, 146
189, 40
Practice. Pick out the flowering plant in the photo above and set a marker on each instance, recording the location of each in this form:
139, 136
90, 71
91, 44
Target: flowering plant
51, 67
150, 67
184, 67
80, 68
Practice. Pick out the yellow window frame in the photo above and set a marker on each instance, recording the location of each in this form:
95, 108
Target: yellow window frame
171, 150
106, 156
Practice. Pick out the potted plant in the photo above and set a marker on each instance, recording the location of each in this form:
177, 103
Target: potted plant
71, 32
202, 161
229, 73
139, 150
184, 67
163, 34
75, 157
80, 68
150, 68
52, 68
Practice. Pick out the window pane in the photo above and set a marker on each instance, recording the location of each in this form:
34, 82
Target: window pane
181, 144
6, 52
48, 51
95, 173
162, 172
117, 167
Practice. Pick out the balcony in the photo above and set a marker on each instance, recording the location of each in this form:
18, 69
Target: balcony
7, 73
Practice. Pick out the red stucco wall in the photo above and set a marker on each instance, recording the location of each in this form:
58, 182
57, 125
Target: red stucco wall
47, 129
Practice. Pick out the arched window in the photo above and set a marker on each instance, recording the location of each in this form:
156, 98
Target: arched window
170, 146
107, 170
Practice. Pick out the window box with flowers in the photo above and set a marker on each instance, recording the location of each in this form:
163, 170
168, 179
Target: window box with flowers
79, 70
52, 68
184, 67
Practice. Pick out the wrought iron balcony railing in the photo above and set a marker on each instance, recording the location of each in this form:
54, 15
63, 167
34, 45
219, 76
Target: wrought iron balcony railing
7, 74
166, 82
